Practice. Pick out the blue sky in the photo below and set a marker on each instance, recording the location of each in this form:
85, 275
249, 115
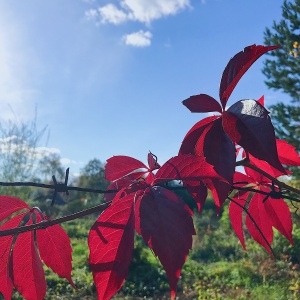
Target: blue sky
108, 77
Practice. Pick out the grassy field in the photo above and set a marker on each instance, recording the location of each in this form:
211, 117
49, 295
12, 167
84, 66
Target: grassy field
217, 267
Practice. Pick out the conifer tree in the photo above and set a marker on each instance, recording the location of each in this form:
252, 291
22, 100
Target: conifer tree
282, 69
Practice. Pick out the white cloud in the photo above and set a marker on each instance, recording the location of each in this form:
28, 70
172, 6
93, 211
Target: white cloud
143, 11
66, 161
111, 14
91, 14
138, 39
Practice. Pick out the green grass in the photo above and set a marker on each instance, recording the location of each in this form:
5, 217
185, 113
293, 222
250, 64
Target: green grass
217, 267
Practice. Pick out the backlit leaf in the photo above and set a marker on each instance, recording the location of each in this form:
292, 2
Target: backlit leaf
111, 243
9, 205
28, 273
191, 138
237, 67
55, 249
165, 223
120, 166
260, 216
236, 215
280, 217
186, 167
6, 286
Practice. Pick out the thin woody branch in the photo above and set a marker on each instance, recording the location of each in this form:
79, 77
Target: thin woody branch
246, 163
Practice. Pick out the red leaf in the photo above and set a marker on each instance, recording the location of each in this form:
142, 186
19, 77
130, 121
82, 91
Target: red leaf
198, 191
120, 166
261, 100
6, 286
55, 249
287, 153
165, 223
254, 130
263, 165
240, 178
280, 217
202, 104
9, 205
236, 215
258, 212
186, 167
237, 67
220, 191
216, 146
28, 273
219, 151
191, 138
152, 162
111, 243
122, 183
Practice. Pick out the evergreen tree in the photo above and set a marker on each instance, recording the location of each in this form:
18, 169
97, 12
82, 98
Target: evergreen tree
282, 69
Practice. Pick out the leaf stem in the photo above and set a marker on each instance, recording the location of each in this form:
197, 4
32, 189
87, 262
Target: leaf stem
246, 163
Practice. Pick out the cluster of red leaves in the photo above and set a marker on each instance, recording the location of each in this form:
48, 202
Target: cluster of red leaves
21, 255
141, 201
263, 210
159, 215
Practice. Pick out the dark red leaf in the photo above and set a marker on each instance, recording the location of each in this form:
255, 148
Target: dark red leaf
165, 223
9, 205
236, 215
6, 286
287, 153
152, 162
28, 273
191, 138
202, 104
218, 149
253, 130
120, 166
186, 167
111, 243
55, 249
258, 212
237, 67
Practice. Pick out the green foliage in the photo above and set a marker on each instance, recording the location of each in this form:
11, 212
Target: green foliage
282, 70
217, 267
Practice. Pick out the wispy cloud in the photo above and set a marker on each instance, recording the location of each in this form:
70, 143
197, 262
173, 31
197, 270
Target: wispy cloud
138, 39
142, 11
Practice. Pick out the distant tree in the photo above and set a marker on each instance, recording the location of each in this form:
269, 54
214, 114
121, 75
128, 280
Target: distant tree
92, 176
282, 70
18, 155
50, 165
